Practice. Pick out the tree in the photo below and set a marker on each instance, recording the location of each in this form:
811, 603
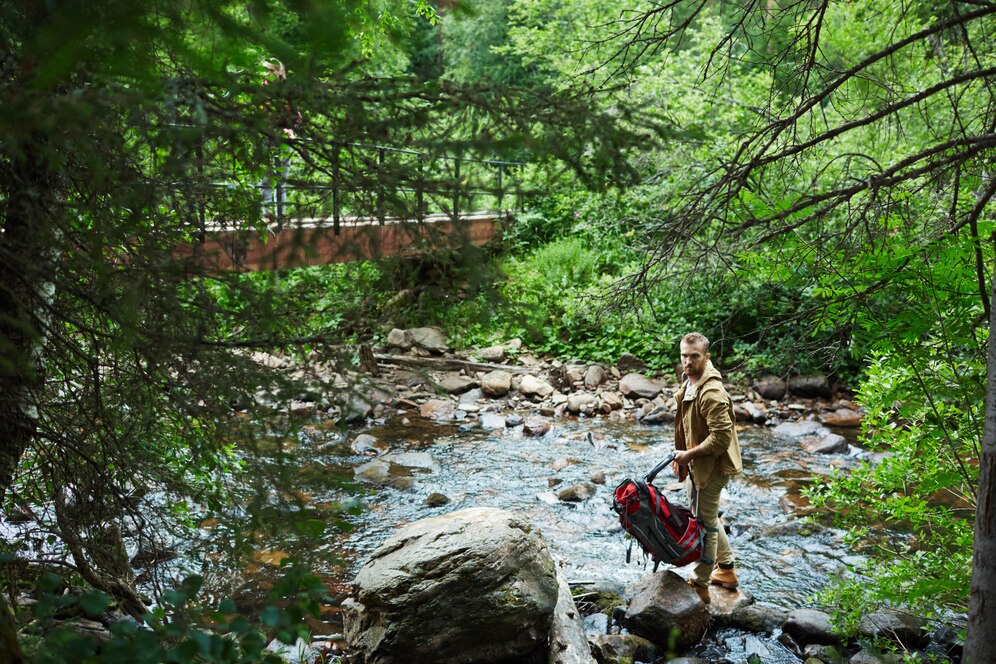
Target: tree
866, 168
118, 123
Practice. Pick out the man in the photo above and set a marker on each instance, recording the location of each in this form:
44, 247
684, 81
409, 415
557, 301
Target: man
705, 441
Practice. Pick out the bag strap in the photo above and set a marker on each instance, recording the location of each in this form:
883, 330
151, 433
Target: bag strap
659, 467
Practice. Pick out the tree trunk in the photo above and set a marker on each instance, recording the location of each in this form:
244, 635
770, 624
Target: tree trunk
980, 643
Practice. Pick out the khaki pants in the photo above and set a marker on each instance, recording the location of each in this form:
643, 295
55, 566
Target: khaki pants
705, 505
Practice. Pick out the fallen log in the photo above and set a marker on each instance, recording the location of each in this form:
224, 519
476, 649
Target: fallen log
446, 363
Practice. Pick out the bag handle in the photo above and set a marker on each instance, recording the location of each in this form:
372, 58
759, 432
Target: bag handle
659, 467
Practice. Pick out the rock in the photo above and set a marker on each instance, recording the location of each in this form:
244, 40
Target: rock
842, 417
438, 409
397, 469
436, 499
594, 376
770, 388
534, 387
794, 503
654, 413
456, 384
568, 642
398, 339
832, 443
662, 602
471, 396
824, 654
570, 374
560, 464
797, 430
810, 626
758, 415
598, 477
578, 402
513, 420
577, 493
476, 585
618, 648
613, 400
492, 421
548, 497
753, 618
535, 427
431, 339
496, 383
367, 444
903, 628
869, 657
491, 354
354, 407
634, 385
741, 414
628, 363
810, 387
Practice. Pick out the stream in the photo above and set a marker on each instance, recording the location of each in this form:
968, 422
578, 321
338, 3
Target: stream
782, 561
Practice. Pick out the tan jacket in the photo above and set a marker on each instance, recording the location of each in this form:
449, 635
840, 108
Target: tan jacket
708, 420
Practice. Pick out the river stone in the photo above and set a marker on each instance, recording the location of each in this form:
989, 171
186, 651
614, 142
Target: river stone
491, 354
628, 362
770, 388
820, 654
534, 387
832, 443
577, 493
810, 626
617, 648
431, 339
594, 376
568, 642
753, 618
634, 385
436, 499
869, 657
472, 586
398, 339
613, 400
471, 396
811, 386
535, 427
496, 383
456, 384
514, 420
842, 417
578, 402
663, 602
438, 409
758, 415
367, 444
797, 430
900, 627
572, 373
492, 421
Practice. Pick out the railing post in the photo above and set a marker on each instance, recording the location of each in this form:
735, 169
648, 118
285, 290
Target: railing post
381, 157
456, 189
420, 190
501, 192
335, 188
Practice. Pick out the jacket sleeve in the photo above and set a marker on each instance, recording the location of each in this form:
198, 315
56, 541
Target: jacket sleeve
715, 410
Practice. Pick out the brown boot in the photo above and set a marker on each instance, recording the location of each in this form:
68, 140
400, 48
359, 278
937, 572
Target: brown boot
723, 575
701, 591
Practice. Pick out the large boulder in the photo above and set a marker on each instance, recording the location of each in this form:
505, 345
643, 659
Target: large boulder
431, 339
535, 388
771, 388
664, 603
496, 383
568, 642
477, 585
634, 385
812, 386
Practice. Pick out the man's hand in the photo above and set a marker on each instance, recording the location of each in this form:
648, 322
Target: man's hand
680, 471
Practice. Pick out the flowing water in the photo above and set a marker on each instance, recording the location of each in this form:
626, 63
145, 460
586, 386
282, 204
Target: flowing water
782, 561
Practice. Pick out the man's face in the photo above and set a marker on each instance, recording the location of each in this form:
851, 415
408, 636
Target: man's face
693, 359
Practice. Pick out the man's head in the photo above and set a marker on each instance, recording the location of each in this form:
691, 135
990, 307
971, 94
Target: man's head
694, 354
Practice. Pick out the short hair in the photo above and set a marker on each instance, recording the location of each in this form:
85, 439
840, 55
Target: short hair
695, 338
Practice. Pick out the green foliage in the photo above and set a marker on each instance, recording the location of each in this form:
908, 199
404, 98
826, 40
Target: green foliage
181, 629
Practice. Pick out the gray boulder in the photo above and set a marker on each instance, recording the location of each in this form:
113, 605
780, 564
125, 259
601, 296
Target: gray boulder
628, 362
810, 626
491, 354
810, 387
832, 443
634, 385
534, 388
476, 585
429, 338
438, 409
619, 648
771, 388
663, 603
580, 402
903, 628
568, 642
798, 430
594, 376
496, 383
456, 384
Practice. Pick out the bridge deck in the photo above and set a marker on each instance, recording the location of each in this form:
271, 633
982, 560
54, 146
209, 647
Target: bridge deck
314, 241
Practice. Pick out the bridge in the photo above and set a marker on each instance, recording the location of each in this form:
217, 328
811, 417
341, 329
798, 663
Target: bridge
332, 203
